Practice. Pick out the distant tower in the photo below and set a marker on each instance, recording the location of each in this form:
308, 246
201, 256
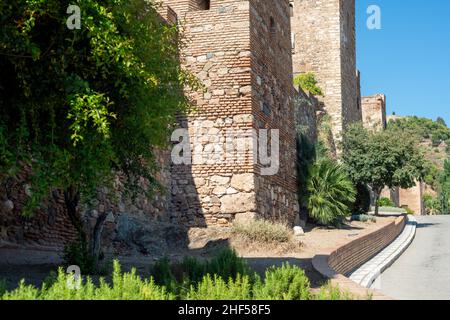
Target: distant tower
374, 112
324, 43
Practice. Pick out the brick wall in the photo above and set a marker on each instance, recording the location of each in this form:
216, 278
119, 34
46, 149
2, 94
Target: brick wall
349, 257
240, 51
273, 105
335, 263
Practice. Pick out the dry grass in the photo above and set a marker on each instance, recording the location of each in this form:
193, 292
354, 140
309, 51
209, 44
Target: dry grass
263, 231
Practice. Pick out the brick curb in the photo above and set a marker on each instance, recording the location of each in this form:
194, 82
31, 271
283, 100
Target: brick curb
335, 262
367, 274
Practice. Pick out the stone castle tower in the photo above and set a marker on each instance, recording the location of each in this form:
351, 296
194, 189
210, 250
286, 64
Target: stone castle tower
324, 43
240, 50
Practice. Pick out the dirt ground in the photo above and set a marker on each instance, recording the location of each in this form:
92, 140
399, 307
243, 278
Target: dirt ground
315, 240
298, 252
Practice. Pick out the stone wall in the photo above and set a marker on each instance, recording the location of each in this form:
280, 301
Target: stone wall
127, 230
132, 226
240, 51
273, 105
413, 198
324, 44
374, 112
306, 107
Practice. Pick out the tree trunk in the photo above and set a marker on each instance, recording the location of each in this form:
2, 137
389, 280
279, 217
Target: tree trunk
72, 199
97, 236
377, 200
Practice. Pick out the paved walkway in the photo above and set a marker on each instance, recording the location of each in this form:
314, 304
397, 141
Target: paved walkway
423, 271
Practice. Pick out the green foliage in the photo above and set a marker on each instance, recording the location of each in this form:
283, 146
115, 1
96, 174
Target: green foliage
125, 286
444, 188
308, 82
263, 231
225, 264
330, 293
382, 159
331, 193
432, 205
425, 128
78, 254
285, 283
386, 202
78, 105
216, 288
306, 156
2, 287
437, 131
161, 271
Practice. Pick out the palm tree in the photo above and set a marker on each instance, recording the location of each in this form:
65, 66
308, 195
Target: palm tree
331, 192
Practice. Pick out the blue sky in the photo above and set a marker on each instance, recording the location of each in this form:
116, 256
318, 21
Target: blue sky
409, 58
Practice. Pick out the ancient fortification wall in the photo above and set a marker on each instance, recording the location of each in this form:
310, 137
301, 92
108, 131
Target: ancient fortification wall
374, 112
324, 44
240, 51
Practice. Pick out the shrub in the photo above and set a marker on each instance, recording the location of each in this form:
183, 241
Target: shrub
386, 202
215, 288
308, 82
331, 193
78, 253
263, 231
432, 205
328, 292
226, 264
2, 287
161, 271
125, 286
285, 283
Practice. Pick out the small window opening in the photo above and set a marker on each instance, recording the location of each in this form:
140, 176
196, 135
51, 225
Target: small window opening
206, 4
291, 9
272, 28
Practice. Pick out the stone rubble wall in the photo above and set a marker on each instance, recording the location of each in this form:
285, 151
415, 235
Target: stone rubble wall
306, 106
273, 106
49, 227
325, 44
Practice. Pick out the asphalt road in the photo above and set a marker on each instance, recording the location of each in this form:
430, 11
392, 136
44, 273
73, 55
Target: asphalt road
423, 271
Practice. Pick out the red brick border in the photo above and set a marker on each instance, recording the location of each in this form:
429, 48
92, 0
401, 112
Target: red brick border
335, 262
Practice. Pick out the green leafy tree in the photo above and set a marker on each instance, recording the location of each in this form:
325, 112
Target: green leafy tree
444, 188
78, 106
388, 158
